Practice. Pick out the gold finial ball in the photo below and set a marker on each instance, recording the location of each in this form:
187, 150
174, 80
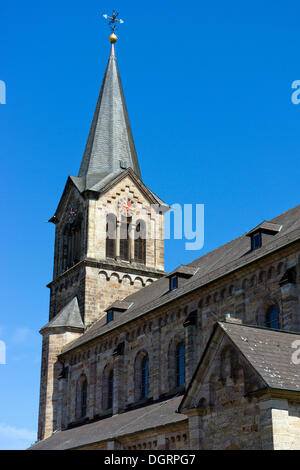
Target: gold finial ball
113, 38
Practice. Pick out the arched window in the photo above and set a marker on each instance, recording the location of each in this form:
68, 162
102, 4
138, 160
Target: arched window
110, 391
108, 388
71, 244
145, 377
140, 242
180, 365
176, 363
141, 376
124, 238
272, 317
83, 398
111, 232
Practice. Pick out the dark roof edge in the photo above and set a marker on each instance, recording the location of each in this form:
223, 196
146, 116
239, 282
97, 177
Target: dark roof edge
258, 327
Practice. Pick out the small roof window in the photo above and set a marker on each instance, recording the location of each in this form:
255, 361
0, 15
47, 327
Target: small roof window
173, 282
256, 241
110, 316
267, 228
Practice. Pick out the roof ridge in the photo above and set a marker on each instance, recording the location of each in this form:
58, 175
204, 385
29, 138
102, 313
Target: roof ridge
259, 327
241, 236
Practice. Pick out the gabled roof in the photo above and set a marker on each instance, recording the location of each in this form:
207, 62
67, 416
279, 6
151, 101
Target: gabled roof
266, 227
268, 352
68, 318
92, 183
139, 420
185, 271
210, 267
110, 147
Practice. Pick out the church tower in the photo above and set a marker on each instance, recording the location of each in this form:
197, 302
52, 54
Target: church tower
109, 239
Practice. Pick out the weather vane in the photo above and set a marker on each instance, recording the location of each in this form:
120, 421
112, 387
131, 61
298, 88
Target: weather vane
113, 21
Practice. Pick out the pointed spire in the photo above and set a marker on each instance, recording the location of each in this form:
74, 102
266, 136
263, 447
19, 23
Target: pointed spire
110, 147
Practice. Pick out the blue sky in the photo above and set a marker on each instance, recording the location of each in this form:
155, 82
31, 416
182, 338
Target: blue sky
208, 87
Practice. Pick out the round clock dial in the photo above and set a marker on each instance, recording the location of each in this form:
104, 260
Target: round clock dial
126, 206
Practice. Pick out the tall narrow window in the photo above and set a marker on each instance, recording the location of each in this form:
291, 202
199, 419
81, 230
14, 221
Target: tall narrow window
111, 231
124, 238
71, 244
83, 398
272, 318
256, 241
140, 243
145, 377
109, 316
173, 282
180, 365
110, 390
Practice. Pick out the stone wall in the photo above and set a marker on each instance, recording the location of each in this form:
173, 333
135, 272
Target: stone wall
155, 333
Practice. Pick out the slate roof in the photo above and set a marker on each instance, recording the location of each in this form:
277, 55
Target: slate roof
110, 146
211, 266
267, 227
141, 419
68, 317
269, 352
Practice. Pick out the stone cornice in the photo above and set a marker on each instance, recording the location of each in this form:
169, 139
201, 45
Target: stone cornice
130, 268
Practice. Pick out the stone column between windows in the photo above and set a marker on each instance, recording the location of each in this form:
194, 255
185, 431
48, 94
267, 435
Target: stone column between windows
98, 386
161, 442
91, 388
189, 353
62, 384
266, 424
131, 233
113, 445
118, 236
156, 366
71, 396
195, 429
289, 299
118, 397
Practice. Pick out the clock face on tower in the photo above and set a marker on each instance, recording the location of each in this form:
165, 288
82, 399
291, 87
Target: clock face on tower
126, 206
73, 213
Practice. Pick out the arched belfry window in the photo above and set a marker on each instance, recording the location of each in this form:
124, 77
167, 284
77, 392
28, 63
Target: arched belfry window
140, 242
272, 317
124, 238
72, 243
180, 369
111, 233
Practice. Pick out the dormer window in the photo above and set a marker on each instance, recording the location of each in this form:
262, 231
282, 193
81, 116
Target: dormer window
116, 309
263, 233
173, 282
256, 241
179, 276
110, 316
